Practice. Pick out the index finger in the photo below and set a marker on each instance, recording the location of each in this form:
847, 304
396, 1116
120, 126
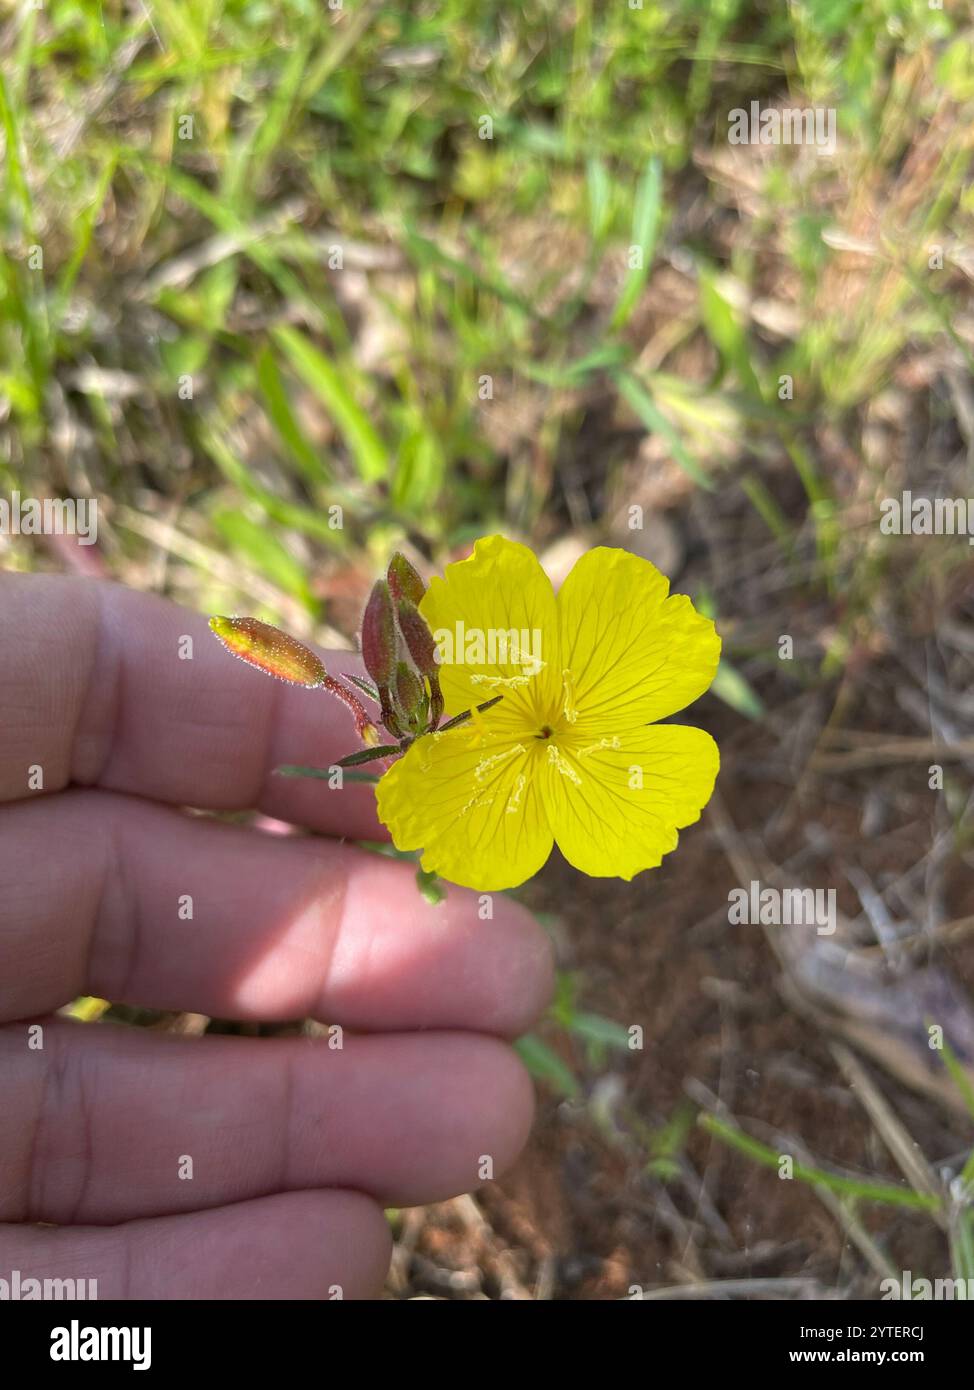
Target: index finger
102, 686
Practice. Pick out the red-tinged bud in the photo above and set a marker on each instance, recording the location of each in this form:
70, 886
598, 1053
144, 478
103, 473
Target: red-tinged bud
411, 697
270, 650
404, 582
379, 635
418, 638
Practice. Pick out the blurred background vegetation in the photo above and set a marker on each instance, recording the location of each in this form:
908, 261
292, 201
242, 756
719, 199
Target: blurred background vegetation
260, 269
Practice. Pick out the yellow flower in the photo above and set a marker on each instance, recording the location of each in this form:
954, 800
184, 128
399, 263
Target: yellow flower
570, 753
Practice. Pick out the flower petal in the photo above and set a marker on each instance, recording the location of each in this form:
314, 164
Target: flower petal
499, 591
472, 805
606, 826
634, 655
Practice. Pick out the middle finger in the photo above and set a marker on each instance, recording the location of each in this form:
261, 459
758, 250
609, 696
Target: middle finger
145, 905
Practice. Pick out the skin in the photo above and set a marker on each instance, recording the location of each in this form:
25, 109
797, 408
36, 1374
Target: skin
296, 1146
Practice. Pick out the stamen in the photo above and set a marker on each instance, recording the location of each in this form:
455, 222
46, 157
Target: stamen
478, 799
492, 682
612, 742
485, 764
515, 801
571, 713
484, 797
556, 756
533, 665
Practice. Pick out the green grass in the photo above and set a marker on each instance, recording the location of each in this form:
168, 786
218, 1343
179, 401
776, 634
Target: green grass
188, 173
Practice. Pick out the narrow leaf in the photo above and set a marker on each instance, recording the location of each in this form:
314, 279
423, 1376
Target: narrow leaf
332, 387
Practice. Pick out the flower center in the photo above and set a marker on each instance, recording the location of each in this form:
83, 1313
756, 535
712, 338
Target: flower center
545, 731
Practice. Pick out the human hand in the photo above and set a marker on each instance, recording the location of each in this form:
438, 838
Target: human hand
295, 1145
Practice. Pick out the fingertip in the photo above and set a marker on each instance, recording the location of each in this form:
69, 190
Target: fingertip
477, 961
508, 1098
516, 963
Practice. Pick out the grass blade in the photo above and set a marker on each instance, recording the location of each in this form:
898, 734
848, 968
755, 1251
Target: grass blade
645, 230
634, 393
331, 387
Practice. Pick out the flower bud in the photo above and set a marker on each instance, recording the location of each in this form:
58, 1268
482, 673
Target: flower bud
270, 650
379, 636
404, 582
411, 697
418, 638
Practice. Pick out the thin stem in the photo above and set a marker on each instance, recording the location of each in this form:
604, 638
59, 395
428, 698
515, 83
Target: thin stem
367, 731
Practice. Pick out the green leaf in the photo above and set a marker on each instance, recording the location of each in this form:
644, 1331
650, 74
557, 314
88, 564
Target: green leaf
261, 548
365, 686
735, 690
962, 1243
958, 1075
646, 212
835, 1182
368, 755
726, 334
332, 388
595, 1028
634, 393
546, 1065
296, 770
429, 886
420, 467
286, 513
311, 464
83, 229
767, 508
599, 198
15, 185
